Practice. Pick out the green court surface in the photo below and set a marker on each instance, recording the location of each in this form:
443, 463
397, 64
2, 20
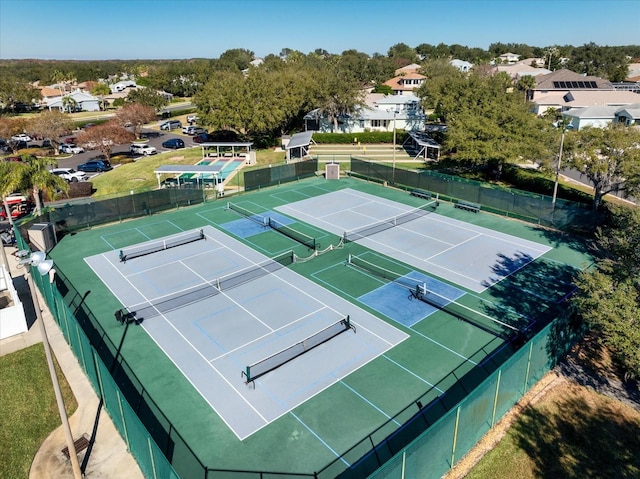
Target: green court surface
440, 351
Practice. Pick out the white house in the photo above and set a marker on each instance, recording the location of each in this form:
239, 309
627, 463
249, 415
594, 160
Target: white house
122, 85
461, 65
81, 102
380, 113
629, 115
565, 100
509, 58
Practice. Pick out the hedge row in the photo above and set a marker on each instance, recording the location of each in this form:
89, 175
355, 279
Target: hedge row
361, 137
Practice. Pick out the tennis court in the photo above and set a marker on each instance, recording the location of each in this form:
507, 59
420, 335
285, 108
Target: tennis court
236, 323
471, 256
210, 317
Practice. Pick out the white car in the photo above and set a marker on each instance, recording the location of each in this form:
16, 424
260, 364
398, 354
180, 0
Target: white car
21, 137
193, 130
70, 148
192, 119
139, 149
70, 174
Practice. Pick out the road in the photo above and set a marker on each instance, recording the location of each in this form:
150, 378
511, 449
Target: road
155, 137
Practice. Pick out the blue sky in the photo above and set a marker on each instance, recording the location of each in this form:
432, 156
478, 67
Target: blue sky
151, 29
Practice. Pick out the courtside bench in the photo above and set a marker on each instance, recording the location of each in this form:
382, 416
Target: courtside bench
79, 444
421, 194
467, 205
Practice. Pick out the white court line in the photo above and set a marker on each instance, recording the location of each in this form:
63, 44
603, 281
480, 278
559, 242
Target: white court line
199, 354
152, 268
408, 327
302, 318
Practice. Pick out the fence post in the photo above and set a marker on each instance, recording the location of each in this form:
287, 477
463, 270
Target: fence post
455, 437
526, 378
495, 400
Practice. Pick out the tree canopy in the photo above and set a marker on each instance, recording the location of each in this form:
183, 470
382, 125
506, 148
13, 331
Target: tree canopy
608, 157
609, 296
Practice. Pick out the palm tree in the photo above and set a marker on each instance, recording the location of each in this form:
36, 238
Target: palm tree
526, 83
37, 176
69, 104
11, 176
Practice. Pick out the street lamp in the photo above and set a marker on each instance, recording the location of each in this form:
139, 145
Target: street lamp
38, 259
395, 112
555, 185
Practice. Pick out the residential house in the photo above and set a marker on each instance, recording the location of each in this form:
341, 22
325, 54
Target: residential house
380, 113
411, 68
405, 84
122, 85
461, 65
518, 70
572, 99
628, 115
509, 58
602, 116
82, 102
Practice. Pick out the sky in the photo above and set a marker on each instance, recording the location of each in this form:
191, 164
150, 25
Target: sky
176, 29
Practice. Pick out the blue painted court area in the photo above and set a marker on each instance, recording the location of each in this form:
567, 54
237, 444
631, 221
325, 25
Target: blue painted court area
395, 301
246, 227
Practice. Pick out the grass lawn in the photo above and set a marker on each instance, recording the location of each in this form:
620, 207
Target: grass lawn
139, 175
28, 411
570, 432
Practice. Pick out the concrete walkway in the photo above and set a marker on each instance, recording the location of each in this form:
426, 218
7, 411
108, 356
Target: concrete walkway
109, 456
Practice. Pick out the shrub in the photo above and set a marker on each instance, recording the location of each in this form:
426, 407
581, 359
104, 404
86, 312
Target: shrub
80, 189
363, 137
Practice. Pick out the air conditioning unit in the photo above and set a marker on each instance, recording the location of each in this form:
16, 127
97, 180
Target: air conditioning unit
42, 236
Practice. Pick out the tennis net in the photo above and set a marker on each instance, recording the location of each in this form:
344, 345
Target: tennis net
302, 238
255, 217
266, 365
388, 223
172, 242
418, 289
180, 299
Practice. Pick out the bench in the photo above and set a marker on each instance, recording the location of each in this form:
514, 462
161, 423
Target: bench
467, 205
421, 194
79, 444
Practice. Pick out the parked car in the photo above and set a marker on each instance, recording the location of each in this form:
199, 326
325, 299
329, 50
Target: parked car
19, 206
21, 137
171, 125
141, 149
70, 174
193, 130
71, 148
201, 138
95, 165
174, 143
191, 119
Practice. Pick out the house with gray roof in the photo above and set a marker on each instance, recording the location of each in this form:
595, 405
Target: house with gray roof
603, 116
379, 114
629, 115
81, 101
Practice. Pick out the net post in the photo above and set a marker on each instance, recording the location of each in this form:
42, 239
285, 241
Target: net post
202, 235
122, 256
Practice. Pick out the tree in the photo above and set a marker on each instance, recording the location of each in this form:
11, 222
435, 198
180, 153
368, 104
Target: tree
10, 181
69, 104
337, 93
104, 137
487, 123
51, 125
402, 54
101, 89
608, 297
10, 127
593, 60
525, 84
147, 97
608, 157
135, 116
36, 174
14, 91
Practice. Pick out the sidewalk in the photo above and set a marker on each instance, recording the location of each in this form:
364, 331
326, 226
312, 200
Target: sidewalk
109, 457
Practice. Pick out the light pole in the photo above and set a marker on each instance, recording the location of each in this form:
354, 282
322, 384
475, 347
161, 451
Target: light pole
393, 179
38, 259
555, 184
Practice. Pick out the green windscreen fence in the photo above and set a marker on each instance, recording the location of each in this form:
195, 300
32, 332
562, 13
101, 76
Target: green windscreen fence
88, 212
435, 430
509, 202
276, 175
